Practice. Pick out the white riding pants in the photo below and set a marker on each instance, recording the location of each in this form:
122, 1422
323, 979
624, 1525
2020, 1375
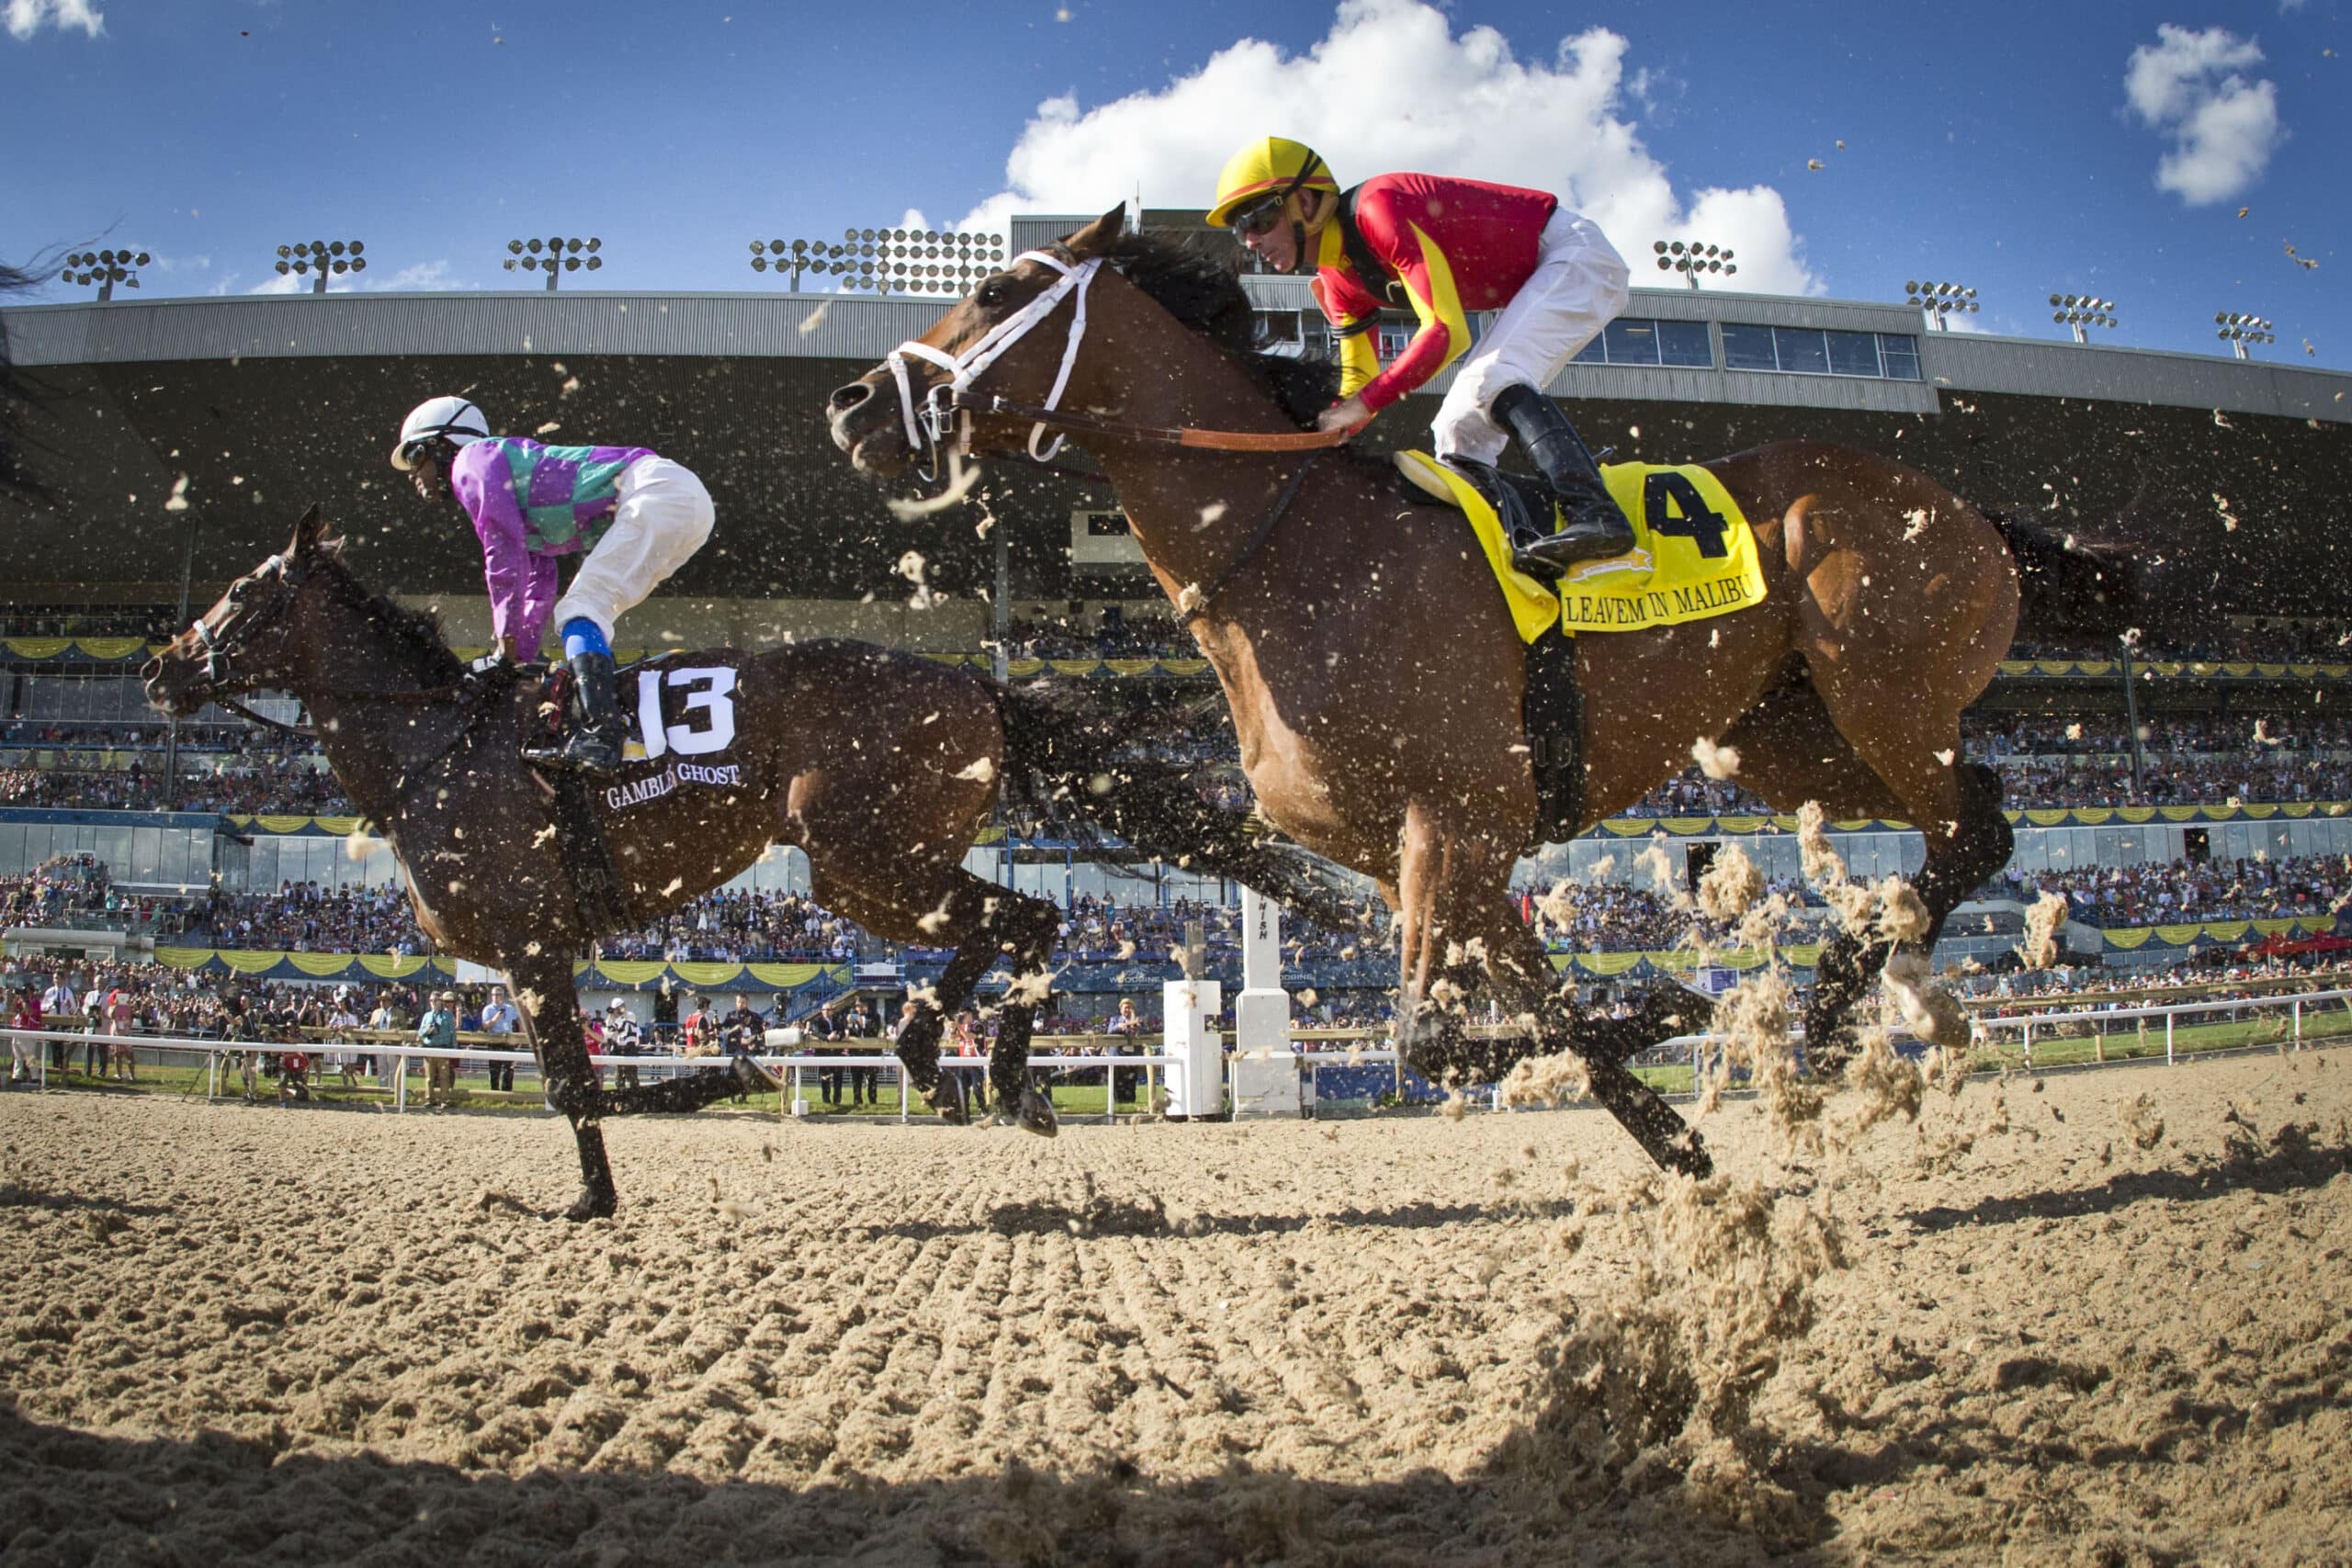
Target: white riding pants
661, 515
1576, 288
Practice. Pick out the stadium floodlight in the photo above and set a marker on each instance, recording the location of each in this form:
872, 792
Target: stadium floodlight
929, 261
317, 258
2078, 311
1940, 299
105, 269
888, 260
1691, 258
554, 256
797, 256
2239, 328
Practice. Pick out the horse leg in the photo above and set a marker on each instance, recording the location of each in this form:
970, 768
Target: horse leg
1793, 750
1453, 886
692, 1091
1027, 929
550, 1006
967, 909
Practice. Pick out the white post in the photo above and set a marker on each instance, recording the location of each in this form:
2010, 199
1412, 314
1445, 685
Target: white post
2168, 1017
2298, 1023
1266, 1073
1195, 1053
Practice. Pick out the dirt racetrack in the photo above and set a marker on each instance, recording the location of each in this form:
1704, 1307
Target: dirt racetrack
2096, 1318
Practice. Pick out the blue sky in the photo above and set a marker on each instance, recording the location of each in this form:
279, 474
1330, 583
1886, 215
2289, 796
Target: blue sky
2109, 151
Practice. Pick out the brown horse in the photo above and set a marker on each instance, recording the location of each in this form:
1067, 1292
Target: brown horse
1374, 671
882, 767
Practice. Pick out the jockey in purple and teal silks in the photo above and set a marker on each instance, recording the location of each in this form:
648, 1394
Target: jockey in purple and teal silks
637, 516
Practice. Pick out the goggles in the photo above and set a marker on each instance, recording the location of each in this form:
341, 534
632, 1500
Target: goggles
1260, 217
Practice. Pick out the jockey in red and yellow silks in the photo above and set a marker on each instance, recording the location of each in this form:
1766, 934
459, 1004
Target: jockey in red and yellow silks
1444, 248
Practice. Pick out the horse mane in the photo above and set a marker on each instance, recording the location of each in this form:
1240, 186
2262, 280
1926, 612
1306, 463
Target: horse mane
1202, 289
419, 631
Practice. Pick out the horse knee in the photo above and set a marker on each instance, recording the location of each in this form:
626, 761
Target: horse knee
578, 1099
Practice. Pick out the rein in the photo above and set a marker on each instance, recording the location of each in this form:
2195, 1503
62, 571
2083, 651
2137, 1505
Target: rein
927, 423
1257, 541
1165, 436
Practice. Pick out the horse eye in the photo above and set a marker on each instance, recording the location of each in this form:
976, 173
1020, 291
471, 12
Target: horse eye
991, 294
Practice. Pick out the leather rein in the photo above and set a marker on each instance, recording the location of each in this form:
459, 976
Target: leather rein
217, 669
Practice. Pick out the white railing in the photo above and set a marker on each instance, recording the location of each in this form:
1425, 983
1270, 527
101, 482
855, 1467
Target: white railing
2026, 1023
796, 1068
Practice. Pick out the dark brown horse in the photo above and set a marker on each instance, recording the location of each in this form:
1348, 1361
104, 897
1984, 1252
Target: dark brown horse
1374, 671
882, 767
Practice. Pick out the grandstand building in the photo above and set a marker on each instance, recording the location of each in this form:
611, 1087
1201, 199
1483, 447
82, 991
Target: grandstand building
178, 440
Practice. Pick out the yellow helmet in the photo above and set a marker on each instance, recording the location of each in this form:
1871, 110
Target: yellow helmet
1270, 163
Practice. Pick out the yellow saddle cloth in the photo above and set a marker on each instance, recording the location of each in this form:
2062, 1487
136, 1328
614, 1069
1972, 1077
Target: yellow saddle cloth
1693, 555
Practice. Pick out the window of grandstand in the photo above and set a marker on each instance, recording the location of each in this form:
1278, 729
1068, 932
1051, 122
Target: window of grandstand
1638, 340
1810, 351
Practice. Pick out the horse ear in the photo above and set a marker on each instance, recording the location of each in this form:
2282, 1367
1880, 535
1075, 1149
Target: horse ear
1098, 237
308, 531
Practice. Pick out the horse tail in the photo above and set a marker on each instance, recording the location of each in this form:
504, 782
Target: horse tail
1073, 761
2071, 589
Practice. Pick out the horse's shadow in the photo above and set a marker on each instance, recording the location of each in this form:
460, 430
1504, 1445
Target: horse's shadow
1149, 1218
87, 1498
2291, 1164
16, 1195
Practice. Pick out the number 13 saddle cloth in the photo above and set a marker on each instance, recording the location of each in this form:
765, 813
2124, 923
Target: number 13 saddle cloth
1693, 555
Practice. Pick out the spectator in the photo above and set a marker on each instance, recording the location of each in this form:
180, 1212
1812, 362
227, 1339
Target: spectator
502, 1018
437, 1029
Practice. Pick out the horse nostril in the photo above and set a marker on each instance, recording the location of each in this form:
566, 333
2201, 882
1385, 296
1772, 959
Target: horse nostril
847, 398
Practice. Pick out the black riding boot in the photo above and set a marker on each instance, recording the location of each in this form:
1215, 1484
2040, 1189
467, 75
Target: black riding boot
594, 742
1595, 529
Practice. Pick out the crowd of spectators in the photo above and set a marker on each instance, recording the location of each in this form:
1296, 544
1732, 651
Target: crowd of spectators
2178, 892
2218, 639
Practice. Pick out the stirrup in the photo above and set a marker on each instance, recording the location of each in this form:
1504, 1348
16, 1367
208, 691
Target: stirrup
1556, 554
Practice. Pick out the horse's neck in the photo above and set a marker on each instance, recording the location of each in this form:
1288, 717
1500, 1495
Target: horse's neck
370, 745
1193, 511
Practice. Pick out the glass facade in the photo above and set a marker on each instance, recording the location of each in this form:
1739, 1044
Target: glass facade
1811, 351
1639, 340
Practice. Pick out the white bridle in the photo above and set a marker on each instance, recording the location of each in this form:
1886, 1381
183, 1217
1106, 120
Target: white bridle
927, 427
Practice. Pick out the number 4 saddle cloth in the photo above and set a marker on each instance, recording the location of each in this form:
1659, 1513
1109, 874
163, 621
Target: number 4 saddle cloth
1693, 555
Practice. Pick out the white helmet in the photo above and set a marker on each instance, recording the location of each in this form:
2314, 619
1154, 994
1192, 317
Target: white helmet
452, 420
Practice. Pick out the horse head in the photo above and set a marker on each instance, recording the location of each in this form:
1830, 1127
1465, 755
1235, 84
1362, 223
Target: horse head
897, 415
248, 638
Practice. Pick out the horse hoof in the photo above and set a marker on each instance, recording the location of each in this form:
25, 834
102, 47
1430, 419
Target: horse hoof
953, 1114
592, 1206
1037, 1115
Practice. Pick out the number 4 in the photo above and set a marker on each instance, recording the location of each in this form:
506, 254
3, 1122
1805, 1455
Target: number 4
1672, 505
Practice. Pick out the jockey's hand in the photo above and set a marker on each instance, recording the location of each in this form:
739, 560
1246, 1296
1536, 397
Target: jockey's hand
1348, 414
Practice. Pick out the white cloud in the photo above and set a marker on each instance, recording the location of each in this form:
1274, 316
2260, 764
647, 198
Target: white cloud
182, 264
26, 17
1478, 110
2192, 88
420, 274
287, 282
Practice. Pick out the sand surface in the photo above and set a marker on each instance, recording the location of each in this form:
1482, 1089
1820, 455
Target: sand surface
2094, 1318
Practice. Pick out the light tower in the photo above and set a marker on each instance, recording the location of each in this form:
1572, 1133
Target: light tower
1691, 259
1940, 299
554, 256
2239, 329
2077, 311
317, 258
105, 268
